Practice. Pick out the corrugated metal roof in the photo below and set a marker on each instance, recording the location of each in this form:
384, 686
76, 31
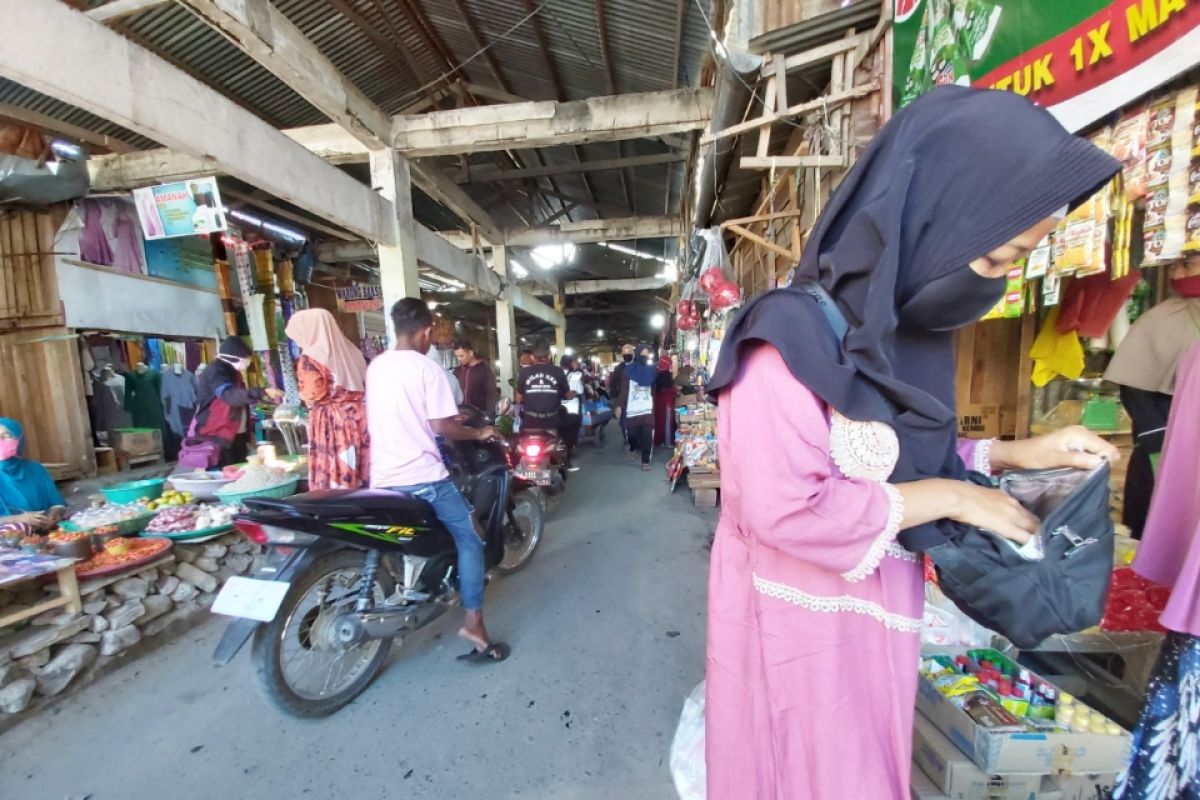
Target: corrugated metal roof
375, 49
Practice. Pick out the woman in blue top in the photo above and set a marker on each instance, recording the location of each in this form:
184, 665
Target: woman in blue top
27, 492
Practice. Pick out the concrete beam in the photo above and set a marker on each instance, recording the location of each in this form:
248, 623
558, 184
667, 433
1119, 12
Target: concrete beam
117, 9
492, 175
596, 230
100, 71
49, 123
547, 124
617, 285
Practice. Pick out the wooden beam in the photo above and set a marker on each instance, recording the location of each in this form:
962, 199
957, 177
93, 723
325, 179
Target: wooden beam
754, 237
441, 188
611, 84
596, 230
791, 162
546, 124
272, 40
116, 9
825, 101
28, 117
611, 209
495, 95
492, 175
825, 52
101, 71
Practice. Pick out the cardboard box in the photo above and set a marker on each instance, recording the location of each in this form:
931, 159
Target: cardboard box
1086, 787
138, 441
977, 421
957, 777
1022, 751
922, 787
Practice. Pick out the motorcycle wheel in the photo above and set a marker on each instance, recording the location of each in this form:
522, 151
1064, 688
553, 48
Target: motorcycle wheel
523, 531
303, 631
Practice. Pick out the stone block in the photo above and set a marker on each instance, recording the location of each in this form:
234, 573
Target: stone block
87, 637
34, 662
185, 554
115, 641
167, 584
126, 614
242, 545
63, 668
33, 639
133, 588
112, 601
184, 592
156, 605
239, 563
207, 564
149, 575
215, 550
95, 607
15, 697
196, 577
93, 597
11, 672
55, 616
99, 624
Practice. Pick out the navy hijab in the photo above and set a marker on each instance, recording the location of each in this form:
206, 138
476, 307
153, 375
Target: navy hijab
950, 178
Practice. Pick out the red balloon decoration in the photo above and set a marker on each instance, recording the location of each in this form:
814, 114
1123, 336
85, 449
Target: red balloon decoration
687, 323
711, 280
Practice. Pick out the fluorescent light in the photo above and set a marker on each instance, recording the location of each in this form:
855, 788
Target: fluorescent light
432, 305
657, 321
517, 269
569, 352
279, 230
600, 333
629, 251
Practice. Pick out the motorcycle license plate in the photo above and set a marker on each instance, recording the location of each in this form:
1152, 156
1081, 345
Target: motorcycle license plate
537, 475
250, 598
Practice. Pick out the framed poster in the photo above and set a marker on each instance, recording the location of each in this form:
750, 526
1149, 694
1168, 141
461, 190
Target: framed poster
186, 208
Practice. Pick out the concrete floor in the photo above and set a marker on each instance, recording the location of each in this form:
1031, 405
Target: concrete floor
607, 629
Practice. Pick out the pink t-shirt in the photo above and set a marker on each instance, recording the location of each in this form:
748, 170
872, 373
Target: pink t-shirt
405, 390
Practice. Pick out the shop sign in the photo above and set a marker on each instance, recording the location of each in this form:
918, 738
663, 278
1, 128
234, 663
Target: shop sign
186, 208
360, 299
1081, 59
977, 421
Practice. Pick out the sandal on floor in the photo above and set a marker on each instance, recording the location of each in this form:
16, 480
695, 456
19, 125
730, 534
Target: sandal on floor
494, 654
645, 467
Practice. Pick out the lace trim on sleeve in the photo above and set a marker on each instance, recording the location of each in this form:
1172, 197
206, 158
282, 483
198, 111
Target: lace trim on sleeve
886, 537
983, 457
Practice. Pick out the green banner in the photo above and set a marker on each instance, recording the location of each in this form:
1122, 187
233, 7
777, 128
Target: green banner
1079, 58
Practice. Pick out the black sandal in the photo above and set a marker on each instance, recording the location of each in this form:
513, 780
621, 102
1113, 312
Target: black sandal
494, 654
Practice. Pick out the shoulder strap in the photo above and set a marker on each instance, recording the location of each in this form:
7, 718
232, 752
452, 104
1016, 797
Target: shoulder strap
833, 314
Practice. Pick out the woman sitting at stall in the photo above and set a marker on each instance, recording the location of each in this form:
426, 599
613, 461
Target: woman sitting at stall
27, 492
224, 402
332, 376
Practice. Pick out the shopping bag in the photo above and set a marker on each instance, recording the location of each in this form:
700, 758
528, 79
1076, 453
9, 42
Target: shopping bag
687, 749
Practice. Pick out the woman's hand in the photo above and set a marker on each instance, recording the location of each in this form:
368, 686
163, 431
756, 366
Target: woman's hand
37, 519
993, 510
273, 394
941, 498
1075, 446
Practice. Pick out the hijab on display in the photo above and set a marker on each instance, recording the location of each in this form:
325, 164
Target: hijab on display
317, 333
953, 176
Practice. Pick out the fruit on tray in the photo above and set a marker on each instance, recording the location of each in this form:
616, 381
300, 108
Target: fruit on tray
171, 498
118, 547
69, 536
181, 519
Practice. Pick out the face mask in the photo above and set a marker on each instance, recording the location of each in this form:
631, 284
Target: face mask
952, 301
9, 448
240, 364
627, 358
1187, 287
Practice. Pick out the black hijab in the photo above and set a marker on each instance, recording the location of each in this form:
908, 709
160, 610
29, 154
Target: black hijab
950, 178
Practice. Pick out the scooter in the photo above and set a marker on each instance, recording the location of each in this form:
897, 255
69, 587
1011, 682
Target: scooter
348, 572
540, 459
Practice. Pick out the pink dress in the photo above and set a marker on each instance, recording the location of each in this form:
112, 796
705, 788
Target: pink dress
814, 610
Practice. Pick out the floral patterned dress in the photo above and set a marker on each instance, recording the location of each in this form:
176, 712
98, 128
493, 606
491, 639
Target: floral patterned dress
339, 446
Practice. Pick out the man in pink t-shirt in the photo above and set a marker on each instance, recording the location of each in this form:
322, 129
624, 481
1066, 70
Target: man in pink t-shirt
409, 404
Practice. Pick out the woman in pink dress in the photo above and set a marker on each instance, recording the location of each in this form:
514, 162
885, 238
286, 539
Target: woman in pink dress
839, 462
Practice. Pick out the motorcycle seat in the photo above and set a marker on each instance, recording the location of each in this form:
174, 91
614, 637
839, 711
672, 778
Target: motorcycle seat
328, 503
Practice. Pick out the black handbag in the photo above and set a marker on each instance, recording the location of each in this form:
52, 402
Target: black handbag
1026, 600
999, 585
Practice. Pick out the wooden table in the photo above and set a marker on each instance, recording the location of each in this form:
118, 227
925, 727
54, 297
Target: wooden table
17, 567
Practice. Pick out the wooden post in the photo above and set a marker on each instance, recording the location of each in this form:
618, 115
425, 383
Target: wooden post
398, 271
560, 333
506, 328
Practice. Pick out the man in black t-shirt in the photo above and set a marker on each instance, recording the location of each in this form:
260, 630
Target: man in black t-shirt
541, 388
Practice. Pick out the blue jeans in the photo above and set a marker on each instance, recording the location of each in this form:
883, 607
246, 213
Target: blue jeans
454, 512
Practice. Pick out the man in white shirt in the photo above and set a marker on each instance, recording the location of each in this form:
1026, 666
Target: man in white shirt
408, 404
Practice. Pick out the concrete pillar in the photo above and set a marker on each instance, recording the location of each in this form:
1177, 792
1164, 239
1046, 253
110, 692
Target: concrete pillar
398, 271
506, 328
560, 334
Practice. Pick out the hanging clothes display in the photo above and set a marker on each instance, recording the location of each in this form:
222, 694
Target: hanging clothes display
127, 253
178, 398
143, 398
93, 244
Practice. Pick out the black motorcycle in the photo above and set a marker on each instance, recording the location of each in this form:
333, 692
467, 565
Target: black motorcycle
349, 571
540, 459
